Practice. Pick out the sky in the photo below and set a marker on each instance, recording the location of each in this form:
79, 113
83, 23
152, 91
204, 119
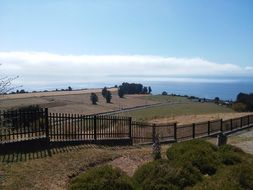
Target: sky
53, 43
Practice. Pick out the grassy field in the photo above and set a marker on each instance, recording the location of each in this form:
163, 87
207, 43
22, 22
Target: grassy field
166, 99
187, 108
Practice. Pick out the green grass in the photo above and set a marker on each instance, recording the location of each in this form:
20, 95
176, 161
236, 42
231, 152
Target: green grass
166, 99
190, 108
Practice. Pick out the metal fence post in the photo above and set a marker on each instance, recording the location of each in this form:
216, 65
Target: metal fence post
208, 128
95, 127
175, 131
153, 133
130, 130
193, 130
221, 125
47, 123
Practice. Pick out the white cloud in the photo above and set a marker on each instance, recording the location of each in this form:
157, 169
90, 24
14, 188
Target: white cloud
46, 68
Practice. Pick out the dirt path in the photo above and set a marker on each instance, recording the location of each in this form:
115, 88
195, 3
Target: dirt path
243, 140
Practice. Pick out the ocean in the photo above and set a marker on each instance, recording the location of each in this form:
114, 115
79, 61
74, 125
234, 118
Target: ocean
225, 91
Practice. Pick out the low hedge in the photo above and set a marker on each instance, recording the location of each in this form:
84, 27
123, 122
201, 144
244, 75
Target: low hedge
161, 174
102, 178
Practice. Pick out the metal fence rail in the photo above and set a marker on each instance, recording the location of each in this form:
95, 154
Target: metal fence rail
18, 126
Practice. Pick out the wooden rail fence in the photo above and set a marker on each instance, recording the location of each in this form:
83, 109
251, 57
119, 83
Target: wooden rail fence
18, 126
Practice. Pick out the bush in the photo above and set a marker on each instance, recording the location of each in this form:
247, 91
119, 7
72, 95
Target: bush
239, 177
108, 97
230, 155
199, 153
102, 178
161, 174
240, 107
93, 98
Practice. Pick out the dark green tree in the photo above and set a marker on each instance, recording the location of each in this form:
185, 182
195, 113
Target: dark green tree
104, 91
145, 90
121, 92
164, 93
108, 96
216, 100
69, 88
93, 98
149, 90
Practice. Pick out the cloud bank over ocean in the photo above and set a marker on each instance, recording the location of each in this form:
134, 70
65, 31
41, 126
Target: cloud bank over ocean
47, 69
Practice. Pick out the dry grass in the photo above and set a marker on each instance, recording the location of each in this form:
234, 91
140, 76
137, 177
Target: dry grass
75, 102
188, 119
38, 170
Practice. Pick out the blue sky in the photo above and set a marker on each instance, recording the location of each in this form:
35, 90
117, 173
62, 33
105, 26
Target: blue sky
204, 33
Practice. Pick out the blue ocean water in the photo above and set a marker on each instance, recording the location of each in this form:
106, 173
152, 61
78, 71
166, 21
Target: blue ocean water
225, 91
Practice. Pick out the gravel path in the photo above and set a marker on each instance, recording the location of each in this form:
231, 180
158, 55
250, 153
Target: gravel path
243, 140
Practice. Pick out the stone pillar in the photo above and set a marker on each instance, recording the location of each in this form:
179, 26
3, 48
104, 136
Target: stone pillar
221, 139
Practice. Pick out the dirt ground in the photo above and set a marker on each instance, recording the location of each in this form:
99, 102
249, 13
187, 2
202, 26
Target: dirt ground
187, 119
74, 102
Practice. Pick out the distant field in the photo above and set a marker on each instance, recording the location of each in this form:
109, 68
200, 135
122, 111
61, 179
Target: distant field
74, 102
187, 108
166, 99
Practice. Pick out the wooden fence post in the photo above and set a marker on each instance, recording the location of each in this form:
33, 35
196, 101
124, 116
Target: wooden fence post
241, 122
221, 125
95, 127
248, 120
153, 132
47, 124
175, 131
130, 130
208, 128
193, 130
231, 124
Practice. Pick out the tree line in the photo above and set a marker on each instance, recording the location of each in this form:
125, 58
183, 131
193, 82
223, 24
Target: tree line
124, 88
244, 102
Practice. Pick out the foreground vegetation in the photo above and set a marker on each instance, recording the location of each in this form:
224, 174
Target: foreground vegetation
189, 165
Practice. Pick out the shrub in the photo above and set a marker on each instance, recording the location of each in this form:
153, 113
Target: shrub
93, 98
240, 107
108, 97
199, 153
102, 178
239, 177
161, 174
121, 92
104, 91
230, 155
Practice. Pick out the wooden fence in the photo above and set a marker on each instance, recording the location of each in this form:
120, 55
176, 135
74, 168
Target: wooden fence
18, 126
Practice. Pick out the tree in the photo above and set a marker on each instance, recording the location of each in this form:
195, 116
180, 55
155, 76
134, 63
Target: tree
216, 100
108, 96
104, 91
145, 90
69, 88
6, 84
94, 98
164, 93
121, 92
149, 90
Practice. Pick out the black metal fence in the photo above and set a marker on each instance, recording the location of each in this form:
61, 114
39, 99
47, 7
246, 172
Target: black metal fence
58, 127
